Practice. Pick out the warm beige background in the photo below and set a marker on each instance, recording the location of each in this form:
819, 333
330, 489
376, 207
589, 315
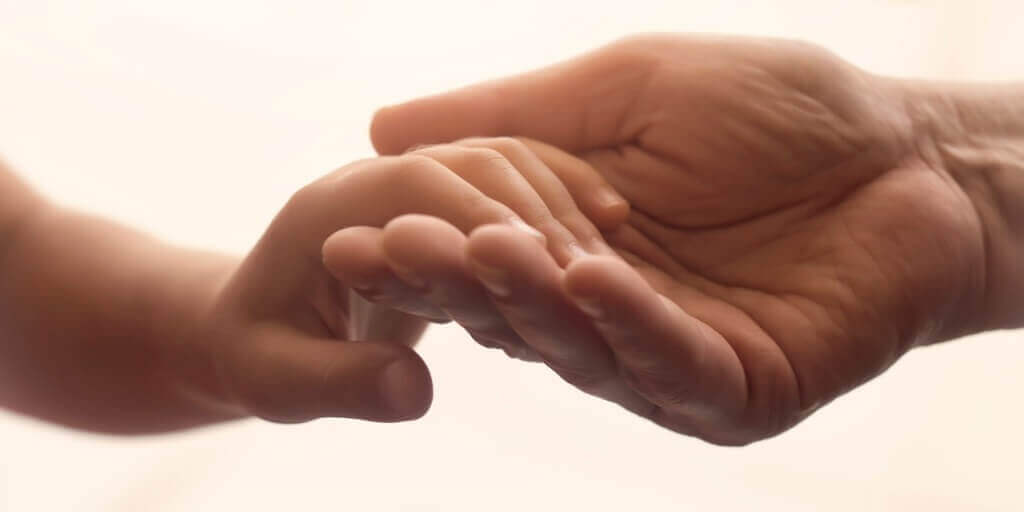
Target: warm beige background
196, 120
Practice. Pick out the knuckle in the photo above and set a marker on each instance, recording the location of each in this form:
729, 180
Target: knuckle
308, 194
470, 163
503, 145
412, 168
462, 154
478, 158
483, 209
641, 47
337, 181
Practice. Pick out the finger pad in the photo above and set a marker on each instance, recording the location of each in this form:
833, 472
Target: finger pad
353, 249
417, 241
601, 275
500, 245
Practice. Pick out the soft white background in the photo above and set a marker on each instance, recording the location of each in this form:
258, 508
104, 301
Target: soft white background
196, 119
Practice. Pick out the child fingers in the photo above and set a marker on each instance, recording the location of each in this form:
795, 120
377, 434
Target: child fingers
493, 174
287, 376
595, 197
429, 253
355, 258
372, 192
548, 185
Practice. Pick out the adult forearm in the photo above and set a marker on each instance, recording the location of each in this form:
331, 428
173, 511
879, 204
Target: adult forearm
94, 322
977, 133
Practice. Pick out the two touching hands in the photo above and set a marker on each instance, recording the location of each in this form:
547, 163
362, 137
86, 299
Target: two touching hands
719, 234
372, 232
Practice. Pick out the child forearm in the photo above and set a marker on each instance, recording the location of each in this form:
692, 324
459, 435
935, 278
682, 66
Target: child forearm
94, 320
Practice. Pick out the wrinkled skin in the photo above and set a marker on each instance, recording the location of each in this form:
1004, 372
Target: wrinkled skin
790, 205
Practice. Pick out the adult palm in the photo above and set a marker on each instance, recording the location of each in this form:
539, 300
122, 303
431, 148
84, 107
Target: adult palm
790, 207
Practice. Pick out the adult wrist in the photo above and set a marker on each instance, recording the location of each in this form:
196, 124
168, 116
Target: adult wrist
974, 133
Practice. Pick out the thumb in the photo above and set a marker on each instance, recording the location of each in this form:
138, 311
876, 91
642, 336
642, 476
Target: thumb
578, 104
287, 376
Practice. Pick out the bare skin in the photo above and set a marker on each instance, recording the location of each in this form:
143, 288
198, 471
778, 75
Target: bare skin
797, 224
105, 329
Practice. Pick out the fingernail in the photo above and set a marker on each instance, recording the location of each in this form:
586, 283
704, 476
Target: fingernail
589, 305
408, 276
398, 388
495, 280
530, 230
608, 198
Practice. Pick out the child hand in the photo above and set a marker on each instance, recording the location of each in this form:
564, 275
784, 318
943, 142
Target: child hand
282, 335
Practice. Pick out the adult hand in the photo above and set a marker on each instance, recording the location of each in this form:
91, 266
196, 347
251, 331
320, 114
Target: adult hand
797, 225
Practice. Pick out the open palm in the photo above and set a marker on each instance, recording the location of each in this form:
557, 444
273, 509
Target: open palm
784, 202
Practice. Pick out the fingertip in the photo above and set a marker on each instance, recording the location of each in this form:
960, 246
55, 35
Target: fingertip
416, 227
488, 243
285, 376
407, 388
586, 276
385, 134
584, 284
349, 248
330, 252
607, 209
428, 120
378, 381
421, 243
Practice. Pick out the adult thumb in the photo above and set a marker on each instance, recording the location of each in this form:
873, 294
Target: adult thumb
582, 103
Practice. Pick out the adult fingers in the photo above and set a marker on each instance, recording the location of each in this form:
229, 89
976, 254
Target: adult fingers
670, 357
